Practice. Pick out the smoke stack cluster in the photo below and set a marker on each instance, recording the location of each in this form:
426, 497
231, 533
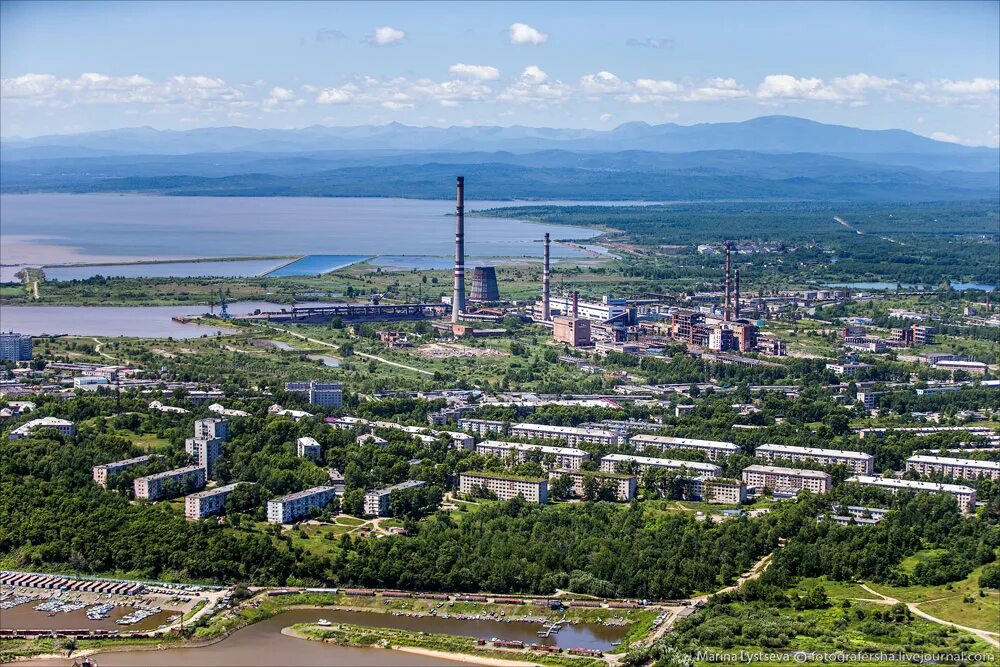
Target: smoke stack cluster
725, 306
576, 303
736, 298
546, 276
458, 297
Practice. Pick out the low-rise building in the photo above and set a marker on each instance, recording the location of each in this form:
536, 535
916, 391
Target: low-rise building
966, 496
308, 448
563, 457
625, 485
571, 435
461, 440
294, 506
104, 473
786, 479
974, 367
90, 382
323, 394
64, 426
336, 480
377, 501
612, 462
724, 491
857, 462
712, 448
206, 503
483, 427
953, 467
170, 484
505, 487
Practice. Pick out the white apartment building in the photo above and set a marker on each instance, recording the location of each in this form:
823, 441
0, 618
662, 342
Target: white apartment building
786, 479
213, 428
712, 448
206, 503
953, 467
323, 394
377, 501
483, 427
106, 472
724, 491
571, 435
308, 448
205, 452
857, 462
287, 509
625, 485
565, 457
64, 426
965, 495
153, 487
644, 463
505, 487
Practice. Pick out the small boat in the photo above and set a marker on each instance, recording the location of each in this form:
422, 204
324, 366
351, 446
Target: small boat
323, 622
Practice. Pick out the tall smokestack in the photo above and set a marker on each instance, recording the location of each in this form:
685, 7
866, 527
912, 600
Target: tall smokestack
458, 297
546, 276
725, 306
736, 299
576, 303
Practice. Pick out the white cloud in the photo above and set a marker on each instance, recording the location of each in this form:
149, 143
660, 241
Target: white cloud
522, 33
396, 106
602, 82
652, 42
945, 136
534, 74
335, 96
281, 99
784, 86
977, 87
478, 72
385, 35
605, 117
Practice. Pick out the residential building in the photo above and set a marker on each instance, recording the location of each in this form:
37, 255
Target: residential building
786, 479
612, 462
336, 480
308, 448
712, 448
347, 423
105, 472
461, 440
857, 462
724, 491
294, 506
371, 439
848, 368
64, 426
869, 399
377, 501
574, 331
625, 485
564, 457
974, 367
213, 428
323, 394
505, 487
206, 503
205, 452
966, 496
483, 427
571, 435
175, 482
953, 467
15, 347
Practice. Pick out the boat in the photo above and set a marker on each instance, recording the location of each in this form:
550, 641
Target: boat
323, 622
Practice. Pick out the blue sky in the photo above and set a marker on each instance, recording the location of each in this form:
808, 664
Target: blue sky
932, 68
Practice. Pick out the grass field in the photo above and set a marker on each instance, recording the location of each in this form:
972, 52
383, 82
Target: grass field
834, 589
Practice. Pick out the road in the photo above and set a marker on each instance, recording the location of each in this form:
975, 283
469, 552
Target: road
358, 354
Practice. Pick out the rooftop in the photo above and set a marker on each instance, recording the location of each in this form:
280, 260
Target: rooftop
683, 442
302, 494
569, 430
523, 446
669, 463
910, 484
171, 473
790, 449
778, 470
952, 461
217, 490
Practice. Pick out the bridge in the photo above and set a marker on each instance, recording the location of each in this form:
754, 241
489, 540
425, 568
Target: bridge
349, 312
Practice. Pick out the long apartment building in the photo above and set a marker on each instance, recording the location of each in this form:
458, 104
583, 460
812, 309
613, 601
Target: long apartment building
206, 503
483, 427
64, 426
571, 435
505, 487
625, 485
154, 487
786, 479
377, 501
105, 472
965, 495
324, 394
712, 448
297, 505
644, 463
953, 467
565, 457
857, 462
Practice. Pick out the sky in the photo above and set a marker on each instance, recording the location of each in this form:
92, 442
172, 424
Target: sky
931, 68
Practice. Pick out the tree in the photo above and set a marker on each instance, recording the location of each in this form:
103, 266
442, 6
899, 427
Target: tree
561, 487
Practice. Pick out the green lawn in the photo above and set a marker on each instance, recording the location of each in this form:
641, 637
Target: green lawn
834, 589
921, 556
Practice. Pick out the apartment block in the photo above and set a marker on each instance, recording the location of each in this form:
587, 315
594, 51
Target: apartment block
571, 435
483, 427
965, 495
643, 463
713, 449
205, 452
953, 467
857, 462
206, 503
182, 480
15, 346
324, 394
625, 485
786, 479
308, 448
213, 428
294, 506
565, 457
724, 491
377, 501
505, 487
104, 473
64, 426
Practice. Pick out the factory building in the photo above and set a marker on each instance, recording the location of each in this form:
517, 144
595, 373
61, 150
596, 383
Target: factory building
323, 394
483, 427
176, 482
625, 485
965, 495
484, 285
606, 309
104, 473
15, 347
206, 503
571, 435
953, 467
308, 448
505, 487
564, 457
857, 462
377, 501
294, 506
64, 426
786, 479
712, 448
643, 463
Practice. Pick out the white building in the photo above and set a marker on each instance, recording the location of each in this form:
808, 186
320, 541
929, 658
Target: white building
565, 457
213, 428
953, 467
104, 473
786, 479
64, 426
965, 495
601, 311
287, 509
308, 448
157, 405
644, 463
90, 382
571, 435
625, 485
724, 491
15, 347
505, 487
712, 448
483, 427
377, 501
323, 394
205, 452
153, 487
220, 409
857, 462
206, 503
